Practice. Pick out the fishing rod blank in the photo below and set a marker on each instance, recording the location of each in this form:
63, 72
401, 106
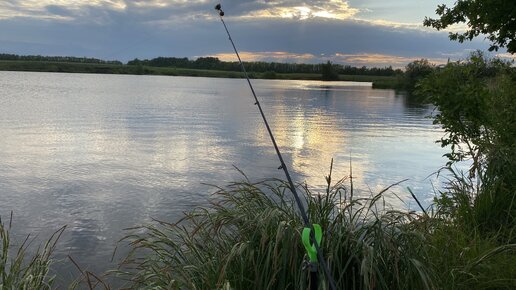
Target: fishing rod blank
283, 166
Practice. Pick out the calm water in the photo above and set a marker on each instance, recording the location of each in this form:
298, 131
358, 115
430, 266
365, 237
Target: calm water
100, 153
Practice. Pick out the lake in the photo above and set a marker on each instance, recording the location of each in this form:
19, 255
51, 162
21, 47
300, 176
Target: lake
101, 153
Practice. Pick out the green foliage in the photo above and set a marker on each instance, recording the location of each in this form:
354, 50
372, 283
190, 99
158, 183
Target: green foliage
249, 238
213, 63
69, 59
269, 75
494, 18
329, 73
416, 71
397, 82
66, 64
17, 271
203, 67
138, 68
467, 256
465, 259
476, 107
365, 71
207, 62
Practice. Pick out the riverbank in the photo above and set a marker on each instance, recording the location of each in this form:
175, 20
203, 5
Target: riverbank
380, 82
257, 226
367, 244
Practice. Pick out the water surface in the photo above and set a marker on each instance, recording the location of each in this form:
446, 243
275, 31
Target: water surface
100, 153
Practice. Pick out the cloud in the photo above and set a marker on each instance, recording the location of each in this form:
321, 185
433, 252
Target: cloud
332, 9
359, 59
173, 12
123, 29
270, 56
53, 9
394, 24
376, 59
507, 56
82, 10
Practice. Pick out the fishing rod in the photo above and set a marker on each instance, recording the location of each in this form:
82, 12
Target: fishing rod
310, 232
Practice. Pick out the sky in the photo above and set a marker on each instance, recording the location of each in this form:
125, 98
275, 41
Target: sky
354, 32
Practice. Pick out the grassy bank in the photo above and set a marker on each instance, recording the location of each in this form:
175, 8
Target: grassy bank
43, 66
249, 237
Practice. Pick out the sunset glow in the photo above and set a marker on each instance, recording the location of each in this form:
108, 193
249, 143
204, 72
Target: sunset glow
361, 59
349, 32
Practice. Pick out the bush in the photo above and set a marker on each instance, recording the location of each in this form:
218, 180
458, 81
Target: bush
415, 72
269, 75
329, 72
476, 106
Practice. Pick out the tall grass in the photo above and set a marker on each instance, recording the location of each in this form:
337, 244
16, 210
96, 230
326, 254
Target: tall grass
20, 271
465, 254
249, 238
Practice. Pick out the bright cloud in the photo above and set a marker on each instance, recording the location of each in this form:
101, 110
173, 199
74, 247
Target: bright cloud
333, 9
393, 24
171, 11
377, 59
507, 56
367, 58
360, 59
275, 56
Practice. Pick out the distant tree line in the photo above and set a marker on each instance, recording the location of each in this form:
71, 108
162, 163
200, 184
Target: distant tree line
262, 67
5, 56
330, 71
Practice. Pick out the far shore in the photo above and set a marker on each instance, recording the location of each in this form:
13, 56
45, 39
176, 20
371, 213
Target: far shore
381, 82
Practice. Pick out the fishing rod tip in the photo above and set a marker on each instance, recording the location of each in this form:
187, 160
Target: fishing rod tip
218, 7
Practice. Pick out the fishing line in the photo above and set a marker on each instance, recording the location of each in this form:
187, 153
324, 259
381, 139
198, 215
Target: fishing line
283, 166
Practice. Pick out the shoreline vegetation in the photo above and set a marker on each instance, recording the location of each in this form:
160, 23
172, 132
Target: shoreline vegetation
382, 78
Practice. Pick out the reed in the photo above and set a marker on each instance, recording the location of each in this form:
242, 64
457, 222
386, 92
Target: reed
249, 238
464, 253
18, 269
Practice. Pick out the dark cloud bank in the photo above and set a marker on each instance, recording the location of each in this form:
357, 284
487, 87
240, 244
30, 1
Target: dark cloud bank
193, 30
